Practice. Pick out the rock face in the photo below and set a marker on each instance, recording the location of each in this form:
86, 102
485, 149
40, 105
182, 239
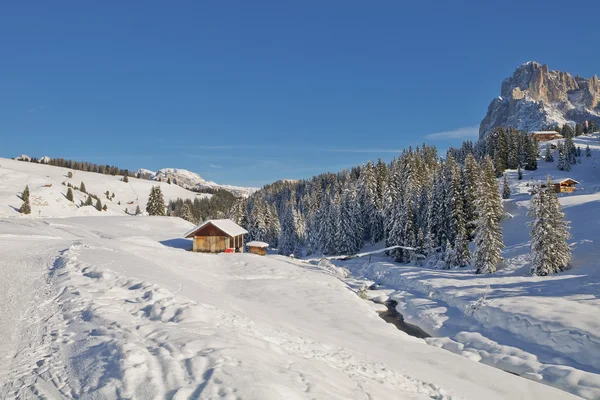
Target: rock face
535, 97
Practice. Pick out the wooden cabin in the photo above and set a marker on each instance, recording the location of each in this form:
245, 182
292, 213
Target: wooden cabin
217, 236
256, 247
565, 186
545, 136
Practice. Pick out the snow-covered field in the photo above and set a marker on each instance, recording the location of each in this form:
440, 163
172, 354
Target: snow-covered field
52, 201
114, 308
543, 328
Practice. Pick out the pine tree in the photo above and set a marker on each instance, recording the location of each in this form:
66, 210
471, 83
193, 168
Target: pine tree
89, 201
563, 162
169, 181
25, 194
505, 188
82, 188
25, 207
137, 210
549, 232
288, 235
70, 195
588, 151
107, 194
104, 208
69, 174
125, 178
488, 234
519, 174
156, 202
98, 204
548, 156
470, 177
186, 212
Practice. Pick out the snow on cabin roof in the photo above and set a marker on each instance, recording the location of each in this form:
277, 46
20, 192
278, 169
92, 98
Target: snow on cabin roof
226, 225
569, 180
256, 243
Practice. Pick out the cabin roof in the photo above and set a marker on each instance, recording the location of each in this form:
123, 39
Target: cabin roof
256, 243
569, 180
226, 225
546, 133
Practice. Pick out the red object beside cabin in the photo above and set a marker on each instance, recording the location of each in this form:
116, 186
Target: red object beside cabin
229, 250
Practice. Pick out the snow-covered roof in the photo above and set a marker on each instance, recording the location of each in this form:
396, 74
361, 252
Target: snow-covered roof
569, 180
256, 243
226, 225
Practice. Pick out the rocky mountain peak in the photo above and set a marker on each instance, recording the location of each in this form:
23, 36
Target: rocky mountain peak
535, 97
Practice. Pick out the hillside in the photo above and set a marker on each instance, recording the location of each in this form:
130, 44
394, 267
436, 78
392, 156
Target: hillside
51, 201
535, 97
114, 308
542, 328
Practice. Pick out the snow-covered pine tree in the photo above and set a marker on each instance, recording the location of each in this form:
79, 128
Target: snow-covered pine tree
563, 161
346, 232
125, 178
519, 173
549, 232
548, 157
288, 236
505, 187
82, 188
156, 202
89, 201
531, 154
588, 151
70, 195
186, 213
137, 210
470, 173
488, 234
367, 196
98, 204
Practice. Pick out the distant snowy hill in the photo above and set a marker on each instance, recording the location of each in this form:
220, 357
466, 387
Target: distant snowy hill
48, 194
535, 97
191, 180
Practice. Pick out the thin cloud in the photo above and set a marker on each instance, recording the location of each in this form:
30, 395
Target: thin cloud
214, 166
361, 150
459, 133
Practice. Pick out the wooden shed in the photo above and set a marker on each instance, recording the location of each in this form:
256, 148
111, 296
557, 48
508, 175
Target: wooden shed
566, 186
257, 247
217, 236
545, 136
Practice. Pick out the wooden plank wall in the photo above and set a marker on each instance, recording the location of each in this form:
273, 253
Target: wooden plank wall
211, 244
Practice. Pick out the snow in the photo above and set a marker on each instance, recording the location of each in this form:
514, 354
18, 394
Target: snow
225, 225
256, 243
114, 307
51, 201
542, 328
192, 180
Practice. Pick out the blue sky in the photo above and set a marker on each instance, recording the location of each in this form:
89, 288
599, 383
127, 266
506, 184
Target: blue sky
247, 92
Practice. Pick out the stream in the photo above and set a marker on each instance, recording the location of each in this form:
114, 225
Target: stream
392, 316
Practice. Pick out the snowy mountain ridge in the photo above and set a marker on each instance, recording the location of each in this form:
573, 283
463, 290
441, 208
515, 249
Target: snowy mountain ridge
191, 180
535, 97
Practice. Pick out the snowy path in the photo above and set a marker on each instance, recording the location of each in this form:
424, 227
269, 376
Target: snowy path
100, 308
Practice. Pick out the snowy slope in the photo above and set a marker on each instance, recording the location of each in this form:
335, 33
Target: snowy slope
543, 328
191, 180
114, 308
51, 201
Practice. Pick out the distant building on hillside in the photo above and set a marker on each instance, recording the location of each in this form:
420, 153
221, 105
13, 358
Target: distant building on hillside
565, 186
545, 136
217, 236
257, 247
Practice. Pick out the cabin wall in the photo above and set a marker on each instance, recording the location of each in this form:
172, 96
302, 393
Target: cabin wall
211, 244
261, 251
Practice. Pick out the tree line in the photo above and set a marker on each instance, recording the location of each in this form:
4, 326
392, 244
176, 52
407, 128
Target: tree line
433, 206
